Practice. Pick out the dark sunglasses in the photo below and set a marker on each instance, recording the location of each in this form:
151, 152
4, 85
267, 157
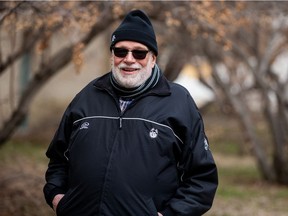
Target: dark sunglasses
137, 54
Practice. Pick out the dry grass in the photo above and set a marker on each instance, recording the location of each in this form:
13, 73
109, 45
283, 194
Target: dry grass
22, 170
241, 191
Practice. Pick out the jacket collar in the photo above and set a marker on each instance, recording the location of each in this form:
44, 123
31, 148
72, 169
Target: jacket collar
162, 88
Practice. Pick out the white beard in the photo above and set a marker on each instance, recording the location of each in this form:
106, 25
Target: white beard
133, 80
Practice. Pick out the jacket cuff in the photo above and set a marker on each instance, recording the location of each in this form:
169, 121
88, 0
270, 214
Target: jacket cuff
168, 212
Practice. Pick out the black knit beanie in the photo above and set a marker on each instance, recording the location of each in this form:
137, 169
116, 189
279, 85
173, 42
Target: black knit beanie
137, 27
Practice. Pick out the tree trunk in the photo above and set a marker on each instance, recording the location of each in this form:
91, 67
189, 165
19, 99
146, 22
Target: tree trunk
245, 119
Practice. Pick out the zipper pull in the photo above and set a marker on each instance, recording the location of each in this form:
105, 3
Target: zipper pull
120, 122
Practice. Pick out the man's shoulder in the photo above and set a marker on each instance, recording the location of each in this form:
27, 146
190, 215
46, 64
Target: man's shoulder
177, 88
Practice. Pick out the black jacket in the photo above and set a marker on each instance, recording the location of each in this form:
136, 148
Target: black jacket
152, 158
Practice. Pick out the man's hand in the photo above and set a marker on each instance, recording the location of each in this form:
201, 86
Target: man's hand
159, 214
56, 200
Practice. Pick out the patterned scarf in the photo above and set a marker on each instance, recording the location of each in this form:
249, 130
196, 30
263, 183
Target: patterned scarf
133, 92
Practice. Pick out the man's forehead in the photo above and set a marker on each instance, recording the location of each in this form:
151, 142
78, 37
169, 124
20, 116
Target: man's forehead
130, 44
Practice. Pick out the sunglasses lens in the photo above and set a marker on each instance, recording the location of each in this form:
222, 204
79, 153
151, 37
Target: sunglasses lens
120, 52
137, 54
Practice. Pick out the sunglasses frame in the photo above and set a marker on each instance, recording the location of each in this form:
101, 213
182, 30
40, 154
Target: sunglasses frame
137, 54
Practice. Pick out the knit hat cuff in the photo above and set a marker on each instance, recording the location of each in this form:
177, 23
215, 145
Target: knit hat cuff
137, 36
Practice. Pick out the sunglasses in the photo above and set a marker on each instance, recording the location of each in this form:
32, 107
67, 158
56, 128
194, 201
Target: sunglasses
137, 54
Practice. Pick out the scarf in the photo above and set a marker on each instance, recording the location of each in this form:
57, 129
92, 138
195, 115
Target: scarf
133, 92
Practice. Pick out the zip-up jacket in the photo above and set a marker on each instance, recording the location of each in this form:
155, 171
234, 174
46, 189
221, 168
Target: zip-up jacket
153, 157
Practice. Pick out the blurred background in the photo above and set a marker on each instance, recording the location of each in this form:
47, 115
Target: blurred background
232, 56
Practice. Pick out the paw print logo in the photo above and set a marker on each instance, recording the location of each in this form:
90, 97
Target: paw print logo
153, 133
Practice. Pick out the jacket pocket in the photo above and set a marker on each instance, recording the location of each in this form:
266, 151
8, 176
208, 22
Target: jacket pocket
62, 204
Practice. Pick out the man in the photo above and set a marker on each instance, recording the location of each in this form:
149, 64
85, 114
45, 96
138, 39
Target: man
131, 143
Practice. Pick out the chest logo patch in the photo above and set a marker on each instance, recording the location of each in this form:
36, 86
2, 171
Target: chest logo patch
153, 133
84, 125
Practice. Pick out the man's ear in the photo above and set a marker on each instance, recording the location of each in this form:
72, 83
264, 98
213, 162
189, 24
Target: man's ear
112, 59
154, 58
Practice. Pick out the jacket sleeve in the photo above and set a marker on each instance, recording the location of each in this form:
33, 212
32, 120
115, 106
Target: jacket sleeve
57, 172
199, 178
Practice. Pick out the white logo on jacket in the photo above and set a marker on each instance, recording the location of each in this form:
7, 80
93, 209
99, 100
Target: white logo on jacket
153, 133
84, 125
206, 145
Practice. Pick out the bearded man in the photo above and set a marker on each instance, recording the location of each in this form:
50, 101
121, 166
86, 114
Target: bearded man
131, 143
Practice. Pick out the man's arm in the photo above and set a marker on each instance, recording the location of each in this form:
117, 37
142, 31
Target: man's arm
57, 172
198, 171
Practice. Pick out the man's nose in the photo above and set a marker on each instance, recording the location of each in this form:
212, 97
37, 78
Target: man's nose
129, 57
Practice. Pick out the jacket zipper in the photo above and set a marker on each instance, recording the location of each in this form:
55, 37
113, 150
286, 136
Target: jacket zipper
120, 122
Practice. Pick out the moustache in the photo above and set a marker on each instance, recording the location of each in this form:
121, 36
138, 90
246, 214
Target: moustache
125, 66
